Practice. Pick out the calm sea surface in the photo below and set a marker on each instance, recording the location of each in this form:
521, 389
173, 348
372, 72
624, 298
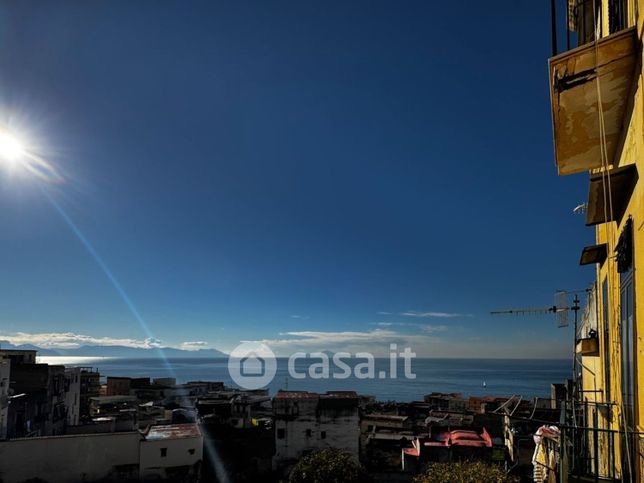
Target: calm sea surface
526, 377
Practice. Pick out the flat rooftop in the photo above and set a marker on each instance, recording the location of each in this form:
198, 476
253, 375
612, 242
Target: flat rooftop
315, 395
172, 431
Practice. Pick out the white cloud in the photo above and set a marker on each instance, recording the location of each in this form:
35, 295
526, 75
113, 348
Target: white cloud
439, 315
71, 340
376, 341
424, 327
194, 345
433, 328
304, 317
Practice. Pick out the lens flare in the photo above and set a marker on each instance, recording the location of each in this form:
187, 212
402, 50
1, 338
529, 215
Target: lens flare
10, 147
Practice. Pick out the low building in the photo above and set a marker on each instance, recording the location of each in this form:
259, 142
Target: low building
38, 402
446, 401
123, 409
19, 356
382, 436
90, 386
69, 459
306, 422
172, 453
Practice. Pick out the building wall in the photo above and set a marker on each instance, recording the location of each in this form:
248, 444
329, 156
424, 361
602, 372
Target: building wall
5, 370
70, 459
179, 453
118, 386
72, 395
90, 386
602, 373
306, 425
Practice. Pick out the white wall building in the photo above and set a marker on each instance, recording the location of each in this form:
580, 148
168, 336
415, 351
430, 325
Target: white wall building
168, 450
306, 422
70, 459
172, 452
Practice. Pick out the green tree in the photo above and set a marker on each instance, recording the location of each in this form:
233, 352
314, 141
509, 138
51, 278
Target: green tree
328, 466
467, 472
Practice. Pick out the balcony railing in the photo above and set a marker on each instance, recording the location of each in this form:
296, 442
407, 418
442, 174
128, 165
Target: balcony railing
590, 79
592, 449
582, 21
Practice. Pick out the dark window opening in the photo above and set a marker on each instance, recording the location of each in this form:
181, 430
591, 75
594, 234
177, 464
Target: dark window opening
322, 434
281, 433
308, 433
617, 19
191, 451
164, 452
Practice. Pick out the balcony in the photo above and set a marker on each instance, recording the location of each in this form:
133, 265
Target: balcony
574, 79
588, 346
590, 450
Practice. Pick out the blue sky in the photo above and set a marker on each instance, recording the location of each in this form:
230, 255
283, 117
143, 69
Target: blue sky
312, 174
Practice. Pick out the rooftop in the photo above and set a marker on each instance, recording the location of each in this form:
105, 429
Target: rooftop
113, 399
314, 395
296, 395
172, 431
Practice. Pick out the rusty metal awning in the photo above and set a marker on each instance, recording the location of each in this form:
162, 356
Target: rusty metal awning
574, 98
622, 183
593, 254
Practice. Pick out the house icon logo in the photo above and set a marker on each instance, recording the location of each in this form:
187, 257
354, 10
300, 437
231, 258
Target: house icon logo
252, 365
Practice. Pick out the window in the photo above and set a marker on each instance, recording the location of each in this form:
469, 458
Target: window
191, 451
164, 452
322, 434
617, 18
308, 433
281, 433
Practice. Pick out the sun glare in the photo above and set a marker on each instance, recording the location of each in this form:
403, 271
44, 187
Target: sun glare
10, 147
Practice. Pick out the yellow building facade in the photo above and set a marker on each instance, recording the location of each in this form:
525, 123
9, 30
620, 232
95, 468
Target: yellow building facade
597, 97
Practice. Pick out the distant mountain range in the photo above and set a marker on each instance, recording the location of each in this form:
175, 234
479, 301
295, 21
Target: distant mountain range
117, 351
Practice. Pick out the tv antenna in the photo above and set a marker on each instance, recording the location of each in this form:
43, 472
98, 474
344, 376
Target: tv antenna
560, 309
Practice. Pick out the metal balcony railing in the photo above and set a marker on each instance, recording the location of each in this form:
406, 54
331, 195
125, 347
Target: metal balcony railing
590, 448
577, 22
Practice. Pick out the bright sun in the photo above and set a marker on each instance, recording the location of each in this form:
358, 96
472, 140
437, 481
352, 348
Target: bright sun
10, 147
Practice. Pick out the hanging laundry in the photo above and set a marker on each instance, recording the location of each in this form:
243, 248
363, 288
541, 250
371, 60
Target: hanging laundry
546, 454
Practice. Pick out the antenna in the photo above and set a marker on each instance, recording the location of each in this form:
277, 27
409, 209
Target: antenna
561, 300
560, 308
580, 209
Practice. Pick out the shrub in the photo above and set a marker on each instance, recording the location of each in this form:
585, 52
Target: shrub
467, 472
328, 466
